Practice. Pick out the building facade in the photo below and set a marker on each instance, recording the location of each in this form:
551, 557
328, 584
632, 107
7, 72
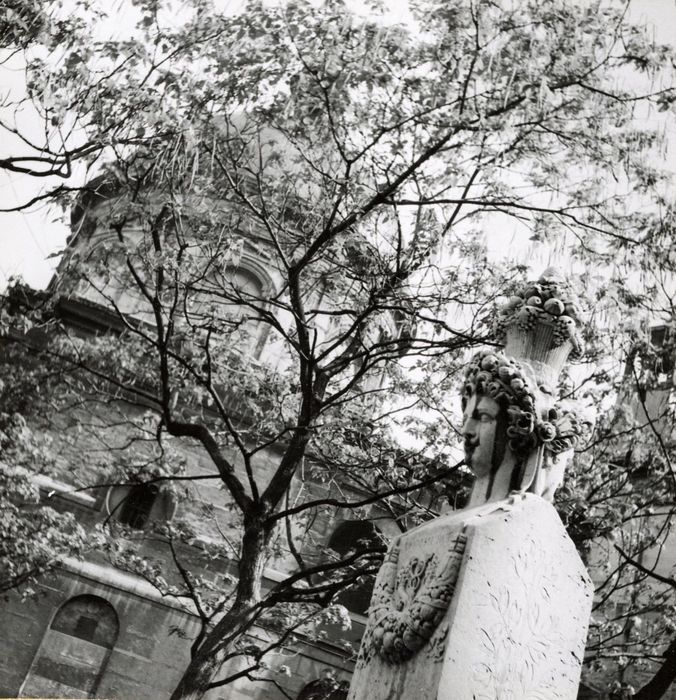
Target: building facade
96, 628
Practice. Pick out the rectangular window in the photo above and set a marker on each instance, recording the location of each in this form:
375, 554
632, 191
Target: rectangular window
85, 628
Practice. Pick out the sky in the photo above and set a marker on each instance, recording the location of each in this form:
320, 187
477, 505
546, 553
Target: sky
28, 239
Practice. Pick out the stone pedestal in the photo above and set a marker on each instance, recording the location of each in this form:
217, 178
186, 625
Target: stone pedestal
516, 624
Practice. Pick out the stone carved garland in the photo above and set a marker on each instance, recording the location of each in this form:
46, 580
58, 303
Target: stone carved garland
550, 300
406, 609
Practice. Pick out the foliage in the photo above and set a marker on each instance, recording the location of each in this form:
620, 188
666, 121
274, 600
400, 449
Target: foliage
35, 537
21, 22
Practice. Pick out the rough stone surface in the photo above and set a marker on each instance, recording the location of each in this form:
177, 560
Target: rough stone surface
147, 658
516, 625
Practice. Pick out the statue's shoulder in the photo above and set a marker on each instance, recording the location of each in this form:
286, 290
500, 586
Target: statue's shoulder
524, 524
448, 521
515, 511
516, 506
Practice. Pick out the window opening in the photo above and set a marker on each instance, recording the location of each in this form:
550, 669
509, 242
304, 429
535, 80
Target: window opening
661, 340
85, 628
137, 506
74, 651
324, 689
351, 536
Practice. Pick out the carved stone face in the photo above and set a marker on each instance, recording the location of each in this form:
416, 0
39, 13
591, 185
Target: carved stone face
479, 431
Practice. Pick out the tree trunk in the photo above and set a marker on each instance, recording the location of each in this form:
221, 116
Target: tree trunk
665, 676
207, 662
221, 639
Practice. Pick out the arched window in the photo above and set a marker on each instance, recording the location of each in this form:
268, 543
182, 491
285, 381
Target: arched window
662, 346
232, 296
324, 689
353, 536
249, 287
107, 279
74, 651
245, 282
137, 506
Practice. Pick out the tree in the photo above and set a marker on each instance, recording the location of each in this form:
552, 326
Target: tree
363, 157
47, 134
35, 537
618, 504
21, 22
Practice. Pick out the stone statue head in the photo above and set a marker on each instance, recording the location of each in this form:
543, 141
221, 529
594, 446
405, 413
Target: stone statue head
508, 425
517, 436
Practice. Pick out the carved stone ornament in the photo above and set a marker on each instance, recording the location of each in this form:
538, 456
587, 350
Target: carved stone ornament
513, 627
406, 609
468, 606
550, 301
502, 378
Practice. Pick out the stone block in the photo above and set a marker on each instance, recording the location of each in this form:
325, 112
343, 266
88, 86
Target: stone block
516, 625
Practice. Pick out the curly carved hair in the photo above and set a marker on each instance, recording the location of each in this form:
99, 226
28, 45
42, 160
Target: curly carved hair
504, 380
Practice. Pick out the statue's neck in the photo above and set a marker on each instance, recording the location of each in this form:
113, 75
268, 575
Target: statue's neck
492, 488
